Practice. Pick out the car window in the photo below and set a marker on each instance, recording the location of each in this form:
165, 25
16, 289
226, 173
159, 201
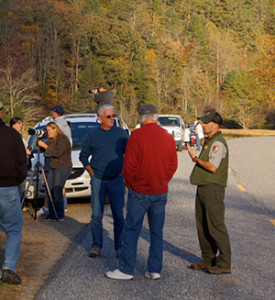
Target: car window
169, 121
80, 130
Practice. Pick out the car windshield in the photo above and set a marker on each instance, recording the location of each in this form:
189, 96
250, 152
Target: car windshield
169, 121
79, 131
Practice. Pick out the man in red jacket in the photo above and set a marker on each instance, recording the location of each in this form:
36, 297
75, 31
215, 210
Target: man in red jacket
149, 164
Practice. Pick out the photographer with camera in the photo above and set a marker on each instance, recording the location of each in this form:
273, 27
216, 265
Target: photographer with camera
102, 96
59, 148
57, 113
13, 162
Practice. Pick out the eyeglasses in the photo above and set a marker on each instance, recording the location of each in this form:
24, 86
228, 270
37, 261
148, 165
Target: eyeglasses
109, 116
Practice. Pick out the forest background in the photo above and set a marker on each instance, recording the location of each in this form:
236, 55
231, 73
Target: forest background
185, 56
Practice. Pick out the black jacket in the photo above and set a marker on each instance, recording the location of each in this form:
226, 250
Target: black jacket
13, 159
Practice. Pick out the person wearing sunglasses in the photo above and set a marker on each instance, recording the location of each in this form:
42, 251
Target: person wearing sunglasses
106, 146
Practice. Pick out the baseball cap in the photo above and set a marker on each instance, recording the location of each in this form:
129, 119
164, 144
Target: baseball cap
1, 105
58, 109
148, 109
211, 116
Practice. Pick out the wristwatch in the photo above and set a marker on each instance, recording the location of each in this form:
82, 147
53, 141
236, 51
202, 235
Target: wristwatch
195, 159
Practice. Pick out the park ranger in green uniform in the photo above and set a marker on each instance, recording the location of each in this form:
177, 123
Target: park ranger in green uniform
210, 176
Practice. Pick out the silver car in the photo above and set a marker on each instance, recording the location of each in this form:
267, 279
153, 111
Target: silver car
78, 183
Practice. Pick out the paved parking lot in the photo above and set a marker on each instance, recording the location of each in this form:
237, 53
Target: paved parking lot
252, 240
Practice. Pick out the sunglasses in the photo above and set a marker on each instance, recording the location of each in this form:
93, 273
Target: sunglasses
110, 116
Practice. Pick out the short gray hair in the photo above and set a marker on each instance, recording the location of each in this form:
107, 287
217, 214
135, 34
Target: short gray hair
102, 108
143, 118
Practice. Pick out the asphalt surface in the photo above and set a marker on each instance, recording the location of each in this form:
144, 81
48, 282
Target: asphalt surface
250, 210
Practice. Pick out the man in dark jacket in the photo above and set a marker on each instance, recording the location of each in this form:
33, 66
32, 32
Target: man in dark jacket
103, 96
13, 171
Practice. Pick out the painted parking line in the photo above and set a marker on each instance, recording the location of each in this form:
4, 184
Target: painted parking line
272, 221
241, 187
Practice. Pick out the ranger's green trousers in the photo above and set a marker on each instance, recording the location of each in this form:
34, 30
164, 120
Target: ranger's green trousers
212, 232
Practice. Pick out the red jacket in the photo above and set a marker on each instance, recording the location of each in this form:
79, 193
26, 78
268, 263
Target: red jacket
150, 160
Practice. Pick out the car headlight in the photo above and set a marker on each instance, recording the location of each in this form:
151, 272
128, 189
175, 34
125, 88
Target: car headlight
177, 133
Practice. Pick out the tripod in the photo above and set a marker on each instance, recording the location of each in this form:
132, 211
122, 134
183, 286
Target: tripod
38, 166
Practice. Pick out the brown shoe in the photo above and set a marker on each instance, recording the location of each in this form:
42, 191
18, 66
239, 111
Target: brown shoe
202, 265
10, 277
218, 270
94, 253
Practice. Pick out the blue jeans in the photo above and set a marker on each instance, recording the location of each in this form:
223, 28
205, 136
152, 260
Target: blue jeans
56, 179
11, 222
47, 167
115, 190
137, 205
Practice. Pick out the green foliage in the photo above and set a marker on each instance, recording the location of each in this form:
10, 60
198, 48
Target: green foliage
180, 55
244, 101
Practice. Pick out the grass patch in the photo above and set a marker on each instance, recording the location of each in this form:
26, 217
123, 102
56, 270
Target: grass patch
230, 133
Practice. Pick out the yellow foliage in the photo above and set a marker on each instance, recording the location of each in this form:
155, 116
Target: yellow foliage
30, 27
25, 45
151, 54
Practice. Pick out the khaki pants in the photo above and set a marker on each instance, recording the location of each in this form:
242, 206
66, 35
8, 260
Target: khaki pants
212, 232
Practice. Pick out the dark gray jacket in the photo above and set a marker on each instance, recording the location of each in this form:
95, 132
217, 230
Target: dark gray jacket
104, 98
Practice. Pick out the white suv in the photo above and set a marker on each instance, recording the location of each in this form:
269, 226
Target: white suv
78, 183
174, 125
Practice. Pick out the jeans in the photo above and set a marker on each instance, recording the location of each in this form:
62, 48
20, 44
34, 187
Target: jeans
11, 222
115, 190
56, 179
137, 205
47, 167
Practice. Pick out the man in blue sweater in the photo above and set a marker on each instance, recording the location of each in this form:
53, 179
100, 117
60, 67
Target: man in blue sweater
106, 144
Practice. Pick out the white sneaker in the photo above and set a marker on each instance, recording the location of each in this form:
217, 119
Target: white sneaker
43, 211
153, 276
117, 274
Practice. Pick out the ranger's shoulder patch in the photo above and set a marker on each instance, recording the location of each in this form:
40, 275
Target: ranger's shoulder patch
216, 148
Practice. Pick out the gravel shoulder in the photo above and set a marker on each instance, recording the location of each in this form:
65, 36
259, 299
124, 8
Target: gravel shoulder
43, 245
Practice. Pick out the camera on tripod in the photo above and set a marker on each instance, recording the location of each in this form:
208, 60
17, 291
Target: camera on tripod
37, 180
40, 133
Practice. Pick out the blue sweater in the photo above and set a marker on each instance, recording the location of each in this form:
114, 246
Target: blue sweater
107, 148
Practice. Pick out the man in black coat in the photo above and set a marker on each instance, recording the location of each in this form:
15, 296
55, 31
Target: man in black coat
13, 162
